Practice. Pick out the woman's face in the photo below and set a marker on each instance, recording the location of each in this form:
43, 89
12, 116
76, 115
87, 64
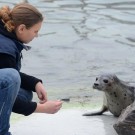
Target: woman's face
26, 35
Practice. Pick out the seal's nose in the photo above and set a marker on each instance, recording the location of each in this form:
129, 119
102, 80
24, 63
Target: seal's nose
96, 84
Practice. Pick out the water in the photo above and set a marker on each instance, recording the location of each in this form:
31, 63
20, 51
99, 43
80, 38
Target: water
79, 40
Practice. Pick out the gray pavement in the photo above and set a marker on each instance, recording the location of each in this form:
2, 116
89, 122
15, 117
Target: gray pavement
65, 122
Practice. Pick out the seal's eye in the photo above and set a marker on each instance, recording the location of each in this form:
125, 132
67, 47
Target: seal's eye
105, 81
96, 79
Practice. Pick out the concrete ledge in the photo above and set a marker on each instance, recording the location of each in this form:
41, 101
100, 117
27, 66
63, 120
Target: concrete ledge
65, 122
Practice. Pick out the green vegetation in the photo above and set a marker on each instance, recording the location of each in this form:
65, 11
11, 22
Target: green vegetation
80, 105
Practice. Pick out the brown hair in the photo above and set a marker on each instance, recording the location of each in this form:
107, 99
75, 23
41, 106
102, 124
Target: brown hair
22, 13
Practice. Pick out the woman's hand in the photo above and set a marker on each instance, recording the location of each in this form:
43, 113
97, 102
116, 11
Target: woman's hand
49, 107
41, 92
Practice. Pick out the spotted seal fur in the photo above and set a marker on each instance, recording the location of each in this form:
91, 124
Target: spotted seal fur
117, 94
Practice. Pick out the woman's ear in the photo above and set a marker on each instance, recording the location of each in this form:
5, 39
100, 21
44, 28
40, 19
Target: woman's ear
21, 28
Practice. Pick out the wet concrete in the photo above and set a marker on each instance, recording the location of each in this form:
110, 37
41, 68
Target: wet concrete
79, 40
65, 122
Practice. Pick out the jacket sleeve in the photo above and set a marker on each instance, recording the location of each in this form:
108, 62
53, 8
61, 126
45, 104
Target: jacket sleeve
24, 107
27, 82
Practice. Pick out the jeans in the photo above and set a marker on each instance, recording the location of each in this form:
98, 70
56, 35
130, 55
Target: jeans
9, 88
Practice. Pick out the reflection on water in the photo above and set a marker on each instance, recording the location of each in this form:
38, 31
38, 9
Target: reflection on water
79, 40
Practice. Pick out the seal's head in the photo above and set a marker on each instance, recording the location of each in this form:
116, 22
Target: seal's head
105, 81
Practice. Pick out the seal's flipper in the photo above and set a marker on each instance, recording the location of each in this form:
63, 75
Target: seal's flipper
104, 109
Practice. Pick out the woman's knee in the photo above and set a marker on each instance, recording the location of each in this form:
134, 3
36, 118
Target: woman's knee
10, 74
14, 75
8, 77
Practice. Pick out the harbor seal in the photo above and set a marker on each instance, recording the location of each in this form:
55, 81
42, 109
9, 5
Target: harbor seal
117, 94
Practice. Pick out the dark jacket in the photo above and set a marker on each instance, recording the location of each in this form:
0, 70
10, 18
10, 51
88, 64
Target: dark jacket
10, 57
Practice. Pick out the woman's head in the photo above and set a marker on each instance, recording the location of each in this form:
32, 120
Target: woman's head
23, 19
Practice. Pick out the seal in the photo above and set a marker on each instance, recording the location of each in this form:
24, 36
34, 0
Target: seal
117, 94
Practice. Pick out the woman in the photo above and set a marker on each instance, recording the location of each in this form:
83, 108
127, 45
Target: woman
17, 26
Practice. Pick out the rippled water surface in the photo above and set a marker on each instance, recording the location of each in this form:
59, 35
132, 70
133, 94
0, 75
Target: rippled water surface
79, 40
